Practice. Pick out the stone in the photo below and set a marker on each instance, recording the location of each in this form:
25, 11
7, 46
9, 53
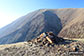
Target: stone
6, 49
43, 35
50, 41
47, 44
75, 48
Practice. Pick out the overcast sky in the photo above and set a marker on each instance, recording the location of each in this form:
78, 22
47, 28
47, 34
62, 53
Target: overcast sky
10, 10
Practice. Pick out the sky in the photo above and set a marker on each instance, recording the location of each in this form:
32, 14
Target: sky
11, 10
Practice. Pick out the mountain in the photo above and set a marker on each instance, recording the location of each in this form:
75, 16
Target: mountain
66, 22
30, 26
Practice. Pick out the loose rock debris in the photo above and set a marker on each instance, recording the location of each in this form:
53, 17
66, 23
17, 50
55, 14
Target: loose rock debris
47, 44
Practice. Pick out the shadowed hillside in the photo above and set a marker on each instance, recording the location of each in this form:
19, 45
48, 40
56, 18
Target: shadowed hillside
67, 22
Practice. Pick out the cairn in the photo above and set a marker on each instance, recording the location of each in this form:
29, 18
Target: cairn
47, 38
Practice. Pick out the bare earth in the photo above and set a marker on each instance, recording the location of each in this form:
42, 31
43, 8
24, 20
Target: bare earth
32, 49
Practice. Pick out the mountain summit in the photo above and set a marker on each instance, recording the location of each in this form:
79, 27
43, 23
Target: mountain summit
67, 22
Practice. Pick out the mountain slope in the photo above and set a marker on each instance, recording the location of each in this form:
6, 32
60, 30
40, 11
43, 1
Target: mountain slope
44, 20
31, 26
74, 28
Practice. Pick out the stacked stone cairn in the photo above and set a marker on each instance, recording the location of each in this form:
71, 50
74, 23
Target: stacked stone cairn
47, 39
